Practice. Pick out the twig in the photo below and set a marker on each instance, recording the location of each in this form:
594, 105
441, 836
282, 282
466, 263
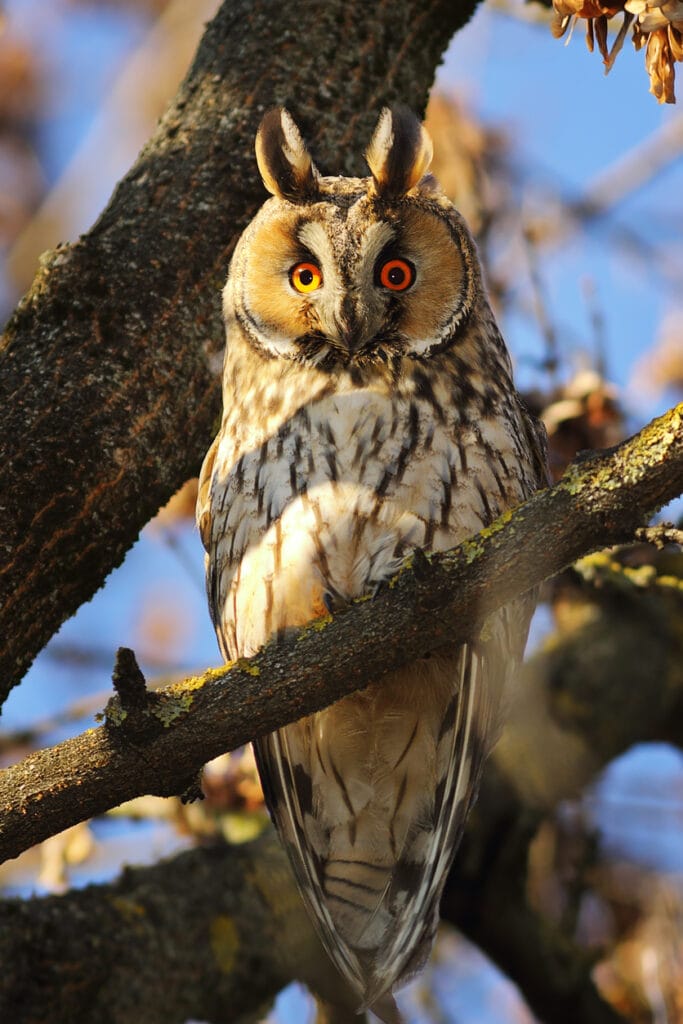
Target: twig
129, 681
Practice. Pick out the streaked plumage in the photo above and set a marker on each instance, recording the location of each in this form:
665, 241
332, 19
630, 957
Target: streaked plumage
363, 417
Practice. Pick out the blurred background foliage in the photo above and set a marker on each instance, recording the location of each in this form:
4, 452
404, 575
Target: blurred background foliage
573, 186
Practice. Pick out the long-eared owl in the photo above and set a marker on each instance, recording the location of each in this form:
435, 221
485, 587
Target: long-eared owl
369, 410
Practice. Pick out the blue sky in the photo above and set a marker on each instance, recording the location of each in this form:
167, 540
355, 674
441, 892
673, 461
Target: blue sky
569, 122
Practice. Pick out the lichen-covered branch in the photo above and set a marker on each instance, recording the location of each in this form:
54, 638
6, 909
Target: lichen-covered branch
213, 935
108, 389
158, 744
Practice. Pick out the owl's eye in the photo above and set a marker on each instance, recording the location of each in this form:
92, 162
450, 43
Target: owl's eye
305, 277
397, 275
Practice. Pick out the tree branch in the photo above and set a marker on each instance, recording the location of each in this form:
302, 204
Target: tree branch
212, 934
108, 390
157, 746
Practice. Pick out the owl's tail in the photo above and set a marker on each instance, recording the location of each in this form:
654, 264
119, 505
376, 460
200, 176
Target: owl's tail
387, 1010
371, 860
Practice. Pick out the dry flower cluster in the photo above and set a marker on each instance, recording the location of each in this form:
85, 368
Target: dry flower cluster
656, 24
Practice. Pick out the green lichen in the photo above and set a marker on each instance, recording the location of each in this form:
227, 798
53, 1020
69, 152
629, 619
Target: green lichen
604, 569
573, 479
499, 524
670, 582
472, 549
114, 713
224, 941
197, 682
319, 624
244, 665
167, 709
632, 460
316, 626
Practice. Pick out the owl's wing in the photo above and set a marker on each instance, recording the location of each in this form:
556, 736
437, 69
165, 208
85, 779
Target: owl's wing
408, 901
463, 744
537, 444
288, 792
204, 493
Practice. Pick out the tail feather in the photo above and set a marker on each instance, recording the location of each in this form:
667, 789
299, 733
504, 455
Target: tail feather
387, 1010
371, 870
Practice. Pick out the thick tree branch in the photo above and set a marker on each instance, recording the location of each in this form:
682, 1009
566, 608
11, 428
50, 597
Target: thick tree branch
211, 935
108, 390
158, 746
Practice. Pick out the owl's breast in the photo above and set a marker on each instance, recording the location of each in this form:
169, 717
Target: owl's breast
325, 509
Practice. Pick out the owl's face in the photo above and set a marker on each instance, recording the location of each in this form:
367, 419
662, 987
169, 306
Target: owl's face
334, 271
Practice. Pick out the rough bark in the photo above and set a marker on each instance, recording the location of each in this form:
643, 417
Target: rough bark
210, 935
156, 743
108, 391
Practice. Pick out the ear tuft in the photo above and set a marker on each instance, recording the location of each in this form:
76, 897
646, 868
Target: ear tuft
283, 160
399, 153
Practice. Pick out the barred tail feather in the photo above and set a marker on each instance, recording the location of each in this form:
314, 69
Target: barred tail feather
289, 806
463, 747
375, 905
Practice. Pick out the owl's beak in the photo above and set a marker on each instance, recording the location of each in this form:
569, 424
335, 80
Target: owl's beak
350, 330
344, 336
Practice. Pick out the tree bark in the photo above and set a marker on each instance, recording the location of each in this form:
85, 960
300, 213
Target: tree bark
109, 392
211, 935
157, 742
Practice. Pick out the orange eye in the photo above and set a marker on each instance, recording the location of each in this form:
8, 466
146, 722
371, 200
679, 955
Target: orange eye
305, 277
397, 275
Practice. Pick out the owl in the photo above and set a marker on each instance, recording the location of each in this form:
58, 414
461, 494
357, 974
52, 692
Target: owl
368, 410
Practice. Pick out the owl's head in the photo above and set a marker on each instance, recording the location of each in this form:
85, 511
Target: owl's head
336, 270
